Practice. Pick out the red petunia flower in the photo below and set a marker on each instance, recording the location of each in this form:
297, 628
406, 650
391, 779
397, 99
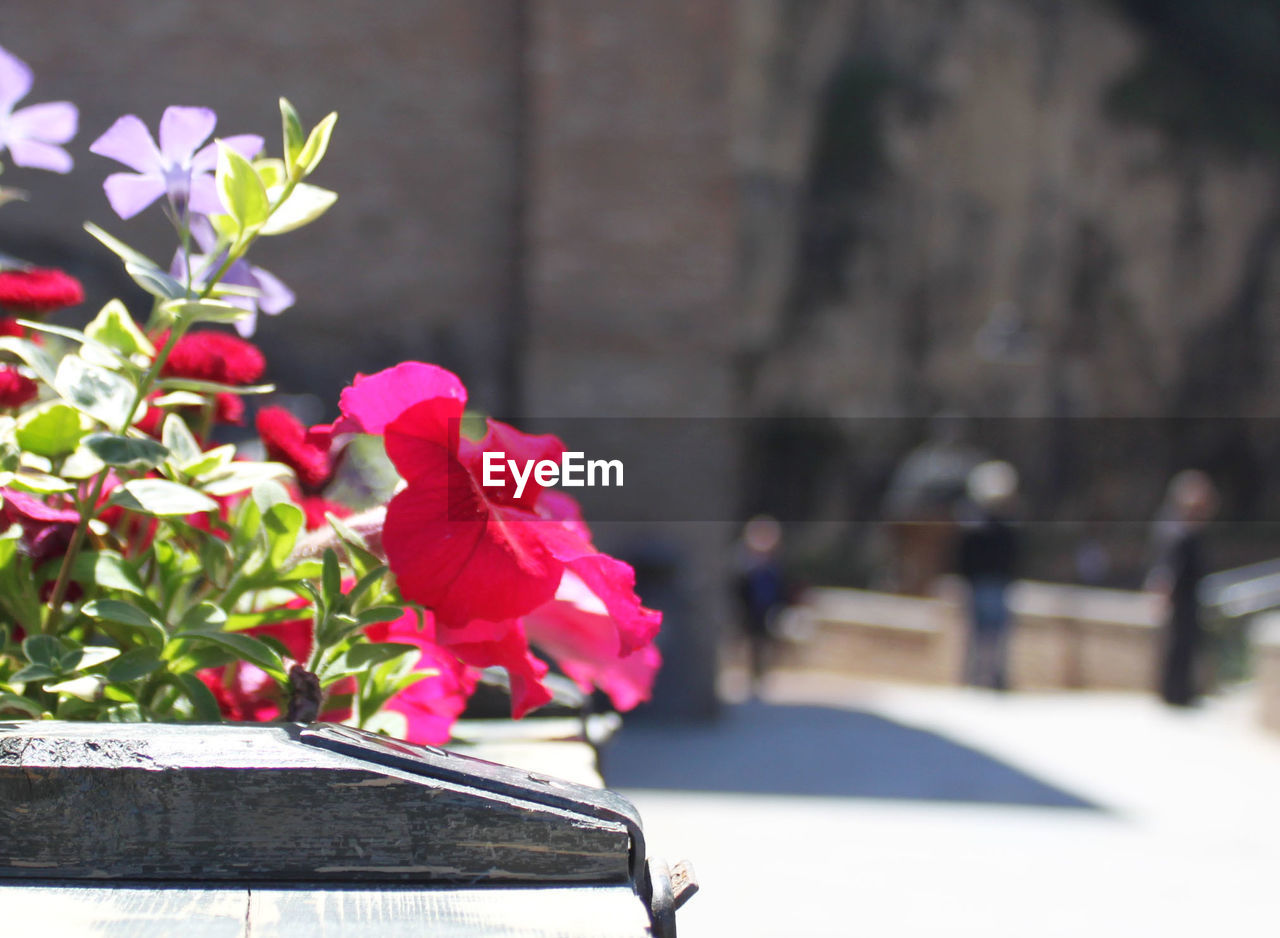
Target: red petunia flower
46, 530
39, 290
213, 356
573, 629
451, 548
285, 440
431, 705
16, 388
315, 507
482, 558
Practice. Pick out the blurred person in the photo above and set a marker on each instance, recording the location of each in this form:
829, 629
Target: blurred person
987, 557
920, 505
762, 591
1179, 564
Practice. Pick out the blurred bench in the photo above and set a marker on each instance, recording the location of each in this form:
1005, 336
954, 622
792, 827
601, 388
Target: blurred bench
1266, 652
1065, 636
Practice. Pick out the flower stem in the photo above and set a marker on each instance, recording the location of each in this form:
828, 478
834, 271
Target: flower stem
89, 509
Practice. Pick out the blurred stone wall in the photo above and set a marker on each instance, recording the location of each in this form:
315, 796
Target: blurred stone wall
942, 214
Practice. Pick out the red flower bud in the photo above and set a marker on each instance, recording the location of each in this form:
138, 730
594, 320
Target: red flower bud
213, 356
39, 290
16, 388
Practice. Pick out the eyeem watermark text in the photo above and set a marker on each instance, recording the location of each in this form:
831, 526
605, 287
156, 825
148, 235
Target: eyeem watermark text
573, 470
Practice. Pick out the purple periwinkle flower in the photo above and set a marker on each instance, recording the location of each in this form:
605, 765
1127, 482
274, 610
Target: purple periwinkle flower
33, 134
175, 168
272, 295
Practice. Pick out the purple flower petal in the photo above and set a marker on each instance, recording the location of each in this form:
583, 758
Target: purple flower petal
247, 145
54, 122
182, 129
247, 325
15, 80
129, 142
204, 195
130, 193
36, 155
202, 231
275, 297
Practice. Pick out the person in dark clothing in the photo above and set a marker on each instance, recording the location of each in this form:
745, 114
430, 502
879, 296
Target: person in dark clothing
762, 591
1180, 565
987, 556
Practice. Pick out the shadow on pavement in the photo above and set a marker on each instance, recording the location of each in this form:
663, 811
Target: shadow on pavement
761, 748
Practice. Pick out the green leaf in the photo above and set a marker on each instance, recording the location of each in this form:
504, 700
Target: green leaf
241, 476
240, 188
34, 672
268, 494
193, 311
162, 498
293, 136
203, 704
122, 613
282, 523
304, 205
90, 656
103, 395
51, 430
87, 688
332, 578
45, 650
133, 664
378, 614
128, 452
210, 463
10, 702
36, 358
362, 558
179, 399
179, 440
245, 647
239, 621
82, 464
155, 281
114, 327
366, 582
202, 618
213, 387
362, 656
317, 144
40, 483
108, 570
119, 248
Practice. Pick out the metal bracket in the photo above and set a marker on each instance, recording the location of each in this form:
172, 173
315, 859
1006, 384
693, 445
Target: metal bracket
665, 891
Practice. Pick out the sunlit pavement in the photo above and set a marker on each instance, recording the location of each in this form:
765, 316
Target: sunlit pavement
964, 813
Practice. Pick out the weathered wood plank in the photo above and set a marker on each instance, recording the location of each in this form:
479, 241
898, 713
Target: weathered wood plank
133, 910
123, 910
210, 803
398, 912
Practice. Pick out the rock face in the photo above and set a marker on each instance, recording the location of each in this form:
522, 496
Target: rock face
945, 214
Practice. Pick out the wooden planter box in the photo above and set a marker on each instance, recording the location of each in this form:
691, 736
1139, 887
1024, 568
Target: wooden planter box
287, 829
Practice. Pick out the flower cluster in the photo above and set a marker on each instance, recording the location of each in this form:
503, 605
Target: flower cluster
149, 572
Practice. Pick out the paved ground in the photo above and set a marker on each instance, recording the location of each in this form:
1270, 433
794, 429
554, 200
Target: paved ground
842, 808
